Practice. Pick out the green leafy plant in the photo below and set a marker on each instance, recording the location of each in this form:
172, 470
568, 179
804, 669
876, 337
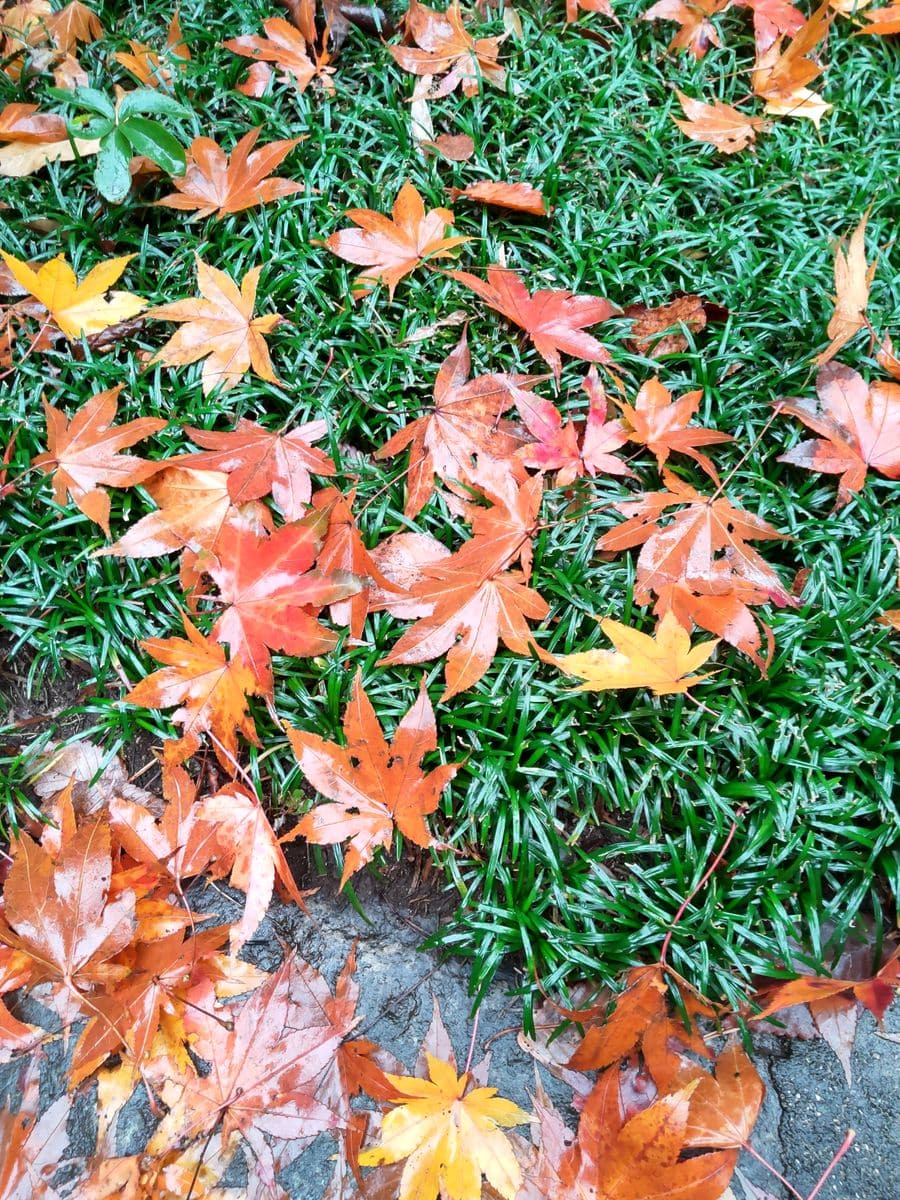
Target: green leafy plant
125, 128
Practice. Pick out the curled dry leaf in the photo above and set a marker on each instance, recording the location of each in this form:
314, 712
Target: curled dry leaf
664, 662
82, 455
516, 197
77, 308
392, 247
689, 310
555, 320
287, 47
373, 787
718, 124
859, 427
214, 182
852, 280
218, 326
153, 69
772, 19
781, 78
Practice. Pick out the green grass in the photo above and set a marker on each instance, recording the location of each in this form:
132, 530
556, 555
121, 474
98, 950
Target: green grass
581, 821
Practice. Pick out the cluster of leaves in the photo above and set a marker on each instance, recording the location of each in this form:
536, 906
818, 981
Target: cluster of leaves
96, 925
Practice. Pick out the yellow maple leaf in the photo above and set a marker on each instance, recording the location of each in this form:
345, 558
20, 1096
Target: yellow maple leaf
852, 279
664, 663
78, 308
448, 1137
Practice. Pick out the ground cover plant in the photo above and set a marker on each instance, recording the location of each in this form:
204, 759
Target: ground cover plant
489, 350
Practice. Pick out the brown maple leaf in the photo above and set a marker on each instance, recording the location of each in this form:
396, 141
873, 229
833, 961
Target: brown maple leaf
392, 247
781, 77
74, 24
634, 1159
718, 124
661, 424
258, 462
725, 1107
444, 47
554, 320
82, 455
515, 197
374, 787
697, 32
214, 182
558, 447
883, 22
272, 594
772, 19
218, 326
210, 692
151, 68
465, 425
59, 911
600, 6
287, 47
859, 424
24, 123
852, 280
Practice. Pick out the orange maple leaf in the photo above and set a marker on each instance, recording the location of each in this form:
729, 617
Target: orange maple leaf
152, 69
287, 47
218, 326
394, 246
697, 32
373, 786
258, 461
718, 124
465, 424
554, 320
852, 280
271, 594
661, 424
446, 48
211, 694
516, 197
214, 182
859, 425
83, 454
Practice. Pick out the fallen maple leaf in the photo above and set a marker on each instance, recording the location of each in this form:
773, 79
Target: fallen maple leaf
34, 1137
876, 992
718, 124
83, 454
554, 320
450, 1135
664, 662
852, 280
883, 22
58, 910
517, 197
859, 424
250, 854
285, 46
267, 1061
152, 69
639, 1158
649, 322
446, 48
271, 594
662, 425
195, 510
780, 78
24, 123
21, 158
214, 182
211, 694
697, 32
373, 786
258, 461
725, 1107
771, 20
466, 424
394, 246
218, 326
77, 308
600, 6
74, 24
557, 447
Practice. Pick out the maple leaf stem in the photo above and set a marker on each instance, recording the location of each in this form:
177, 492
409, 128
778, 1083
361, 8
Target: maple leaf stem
707, 875
765, 1162
723, 483
848, 1141
196, 1175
